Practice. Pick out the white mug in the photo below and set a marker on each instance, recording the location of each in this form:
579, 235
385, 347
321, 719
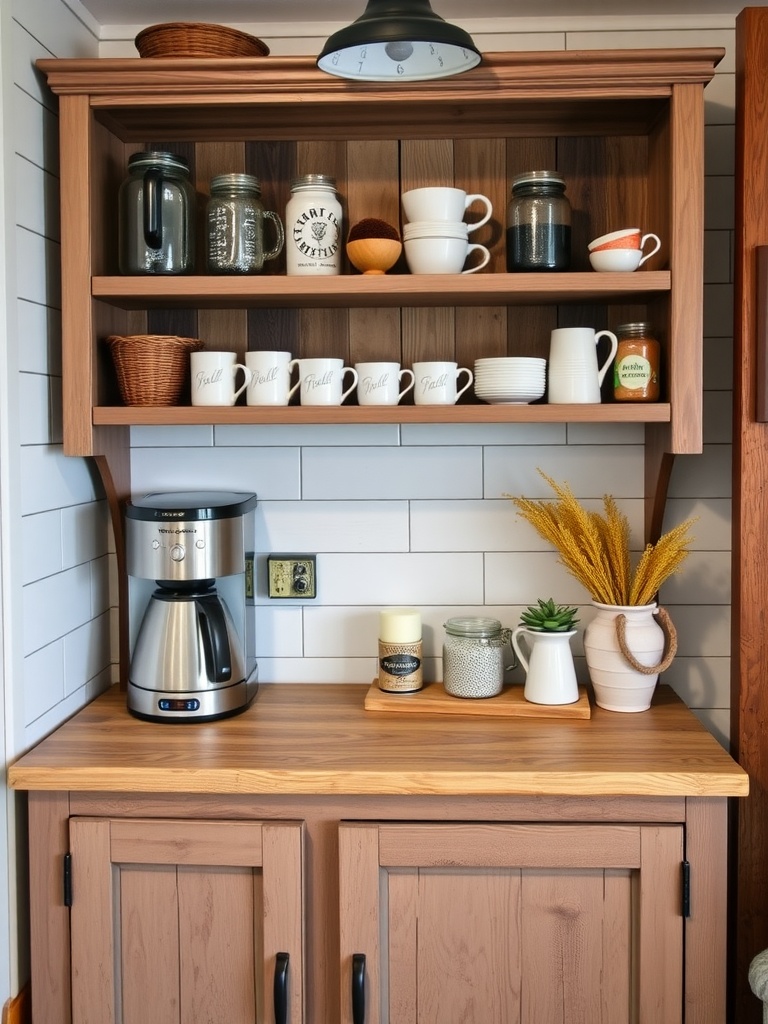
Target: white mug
213, 378
442, 203
271, 378
436, 382
574, 375
442, 254
320, 381
379, 383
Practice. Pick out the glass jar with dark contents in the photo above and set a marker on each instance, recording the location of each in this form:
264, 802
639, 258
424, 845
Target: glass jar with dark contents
538, 223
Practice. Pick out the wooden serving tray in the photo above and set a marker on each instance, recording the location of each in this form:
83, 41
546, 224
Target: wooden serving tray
510, 703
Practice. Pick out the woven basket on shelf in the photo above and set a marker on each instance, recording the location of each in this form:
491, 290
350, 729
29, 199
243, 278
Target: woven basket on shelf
152, 368
196, 39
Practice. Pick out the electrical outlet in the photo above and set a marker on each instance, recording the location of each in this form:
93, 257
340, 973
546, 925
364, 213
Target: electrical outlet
292, 576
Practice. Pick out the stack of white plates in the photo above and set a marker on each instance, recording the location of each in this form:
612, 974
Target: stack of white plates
510, 380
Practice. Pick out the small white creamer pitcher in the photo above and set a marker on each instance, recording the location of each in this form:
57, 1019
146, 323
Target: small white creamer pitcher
573, 374
550, 677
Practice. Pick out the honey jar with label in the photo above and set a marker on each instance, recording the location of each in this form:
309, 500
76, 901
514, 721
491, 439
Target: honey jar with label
636, 366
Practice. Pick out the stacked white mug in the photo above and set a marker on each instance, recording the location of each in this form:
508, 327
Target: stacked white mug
435, 234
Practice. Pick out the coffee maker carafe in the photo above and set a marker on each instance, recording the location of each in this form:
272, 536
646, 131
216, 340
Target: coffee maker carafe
191, 640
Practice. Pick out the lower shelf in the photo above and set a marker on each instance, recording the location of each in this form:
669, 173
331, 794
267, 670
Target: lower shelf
183, 415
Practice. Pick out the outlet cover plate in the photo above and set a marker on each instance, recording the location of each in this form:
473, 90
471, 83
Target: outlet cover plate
292, 576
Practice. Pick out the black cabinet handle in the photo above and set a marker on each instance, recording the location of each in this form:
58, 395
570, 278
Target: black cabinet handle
280, 990
358, 988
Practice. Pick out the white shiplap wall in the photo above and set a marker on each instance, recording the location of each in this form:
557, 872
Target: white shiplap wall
396, 515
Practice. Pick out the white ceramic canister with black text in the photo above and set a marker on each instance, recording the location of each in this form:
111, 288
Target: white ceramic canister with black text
313, 227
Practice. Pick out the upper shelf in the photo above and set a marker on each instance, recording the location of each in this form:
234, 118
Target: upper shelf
141, 292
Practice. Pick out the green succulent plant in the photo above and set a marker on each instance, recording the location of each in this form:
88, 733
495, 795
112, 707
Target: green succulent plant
548, 617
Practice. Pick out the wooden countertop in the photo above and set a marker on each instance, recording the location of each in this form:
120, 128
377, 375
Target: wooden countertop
319, 739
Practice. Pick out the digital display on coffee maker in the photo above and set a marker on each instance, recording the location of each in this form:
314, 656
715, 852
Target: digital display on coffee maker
176, 704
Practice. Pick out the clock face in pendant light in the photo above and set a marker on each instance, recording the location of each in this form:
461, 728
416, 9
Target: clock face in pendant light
398, 40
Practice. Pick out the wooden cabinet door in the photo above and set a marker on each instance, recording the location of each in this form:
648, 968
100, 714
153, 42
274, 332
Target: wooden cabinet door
185, 922
511, 924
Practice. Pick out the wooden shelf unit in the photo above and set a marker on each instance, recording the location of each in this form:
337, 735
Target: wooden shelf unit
625, 128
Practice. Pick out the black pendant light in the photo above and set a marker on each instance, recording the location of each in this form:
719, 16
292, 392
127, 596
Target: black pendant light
398, 41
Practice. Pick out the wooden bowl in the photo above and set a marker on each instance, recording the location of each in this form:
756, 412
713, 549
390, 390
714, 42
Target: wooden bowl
374, 255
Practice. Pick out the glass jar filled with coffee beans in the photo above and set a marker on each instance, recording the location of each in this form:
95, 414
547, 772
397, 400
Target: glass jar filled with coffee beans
538, 223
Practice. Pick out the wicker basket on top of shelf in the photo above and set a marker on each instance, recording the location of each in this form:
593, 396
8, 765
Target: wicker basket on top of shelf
197, 39
152, 369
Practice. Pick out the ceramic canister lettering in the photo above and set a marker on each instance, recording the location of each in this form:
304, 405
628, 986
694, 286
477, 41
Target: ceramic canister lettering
321, 381
437, 382
213, 378
573, 374
379, 383
271, 380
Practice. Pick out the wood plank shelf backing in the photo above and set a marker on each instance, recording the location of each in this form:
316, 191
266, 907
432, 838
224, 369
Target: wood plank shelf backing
510, 703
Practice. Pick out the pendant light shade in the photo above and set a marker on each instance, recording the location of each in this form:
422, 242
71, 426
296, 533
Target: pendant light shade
396, 41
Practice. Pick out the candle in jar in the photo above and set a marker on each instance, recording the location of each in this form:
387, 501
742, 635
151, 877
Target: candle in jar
399, 625
400, 650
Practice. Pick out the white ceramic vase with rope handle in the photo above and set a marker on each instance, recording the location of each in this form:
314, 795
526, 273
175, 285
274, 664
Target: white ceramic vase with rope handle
626, 648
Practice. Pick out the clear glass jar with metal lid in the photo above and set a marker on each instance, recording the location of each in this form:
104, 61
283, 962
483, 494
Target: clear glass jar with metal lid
235, 217
538, 223
156, 207
313, 222
473, 656
636, 366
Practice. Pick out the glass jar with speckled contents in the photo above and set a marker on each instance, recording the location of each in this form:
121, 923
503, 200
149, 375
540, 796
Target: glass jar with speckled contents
473, 657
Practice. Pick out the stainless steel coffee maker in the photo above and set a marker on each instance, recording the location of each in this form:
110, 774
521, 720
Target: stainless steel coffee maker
191, 639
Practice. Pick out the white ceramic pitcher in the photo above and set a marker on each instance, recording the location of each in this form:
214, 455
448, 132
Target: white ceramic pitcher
550, 676
573, 374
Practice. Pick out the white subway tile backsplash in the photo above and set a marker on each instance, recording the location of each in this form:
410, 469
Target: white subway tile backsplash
269, 472
705, 476
712, 529
400, 579
718, 201
279, 630
718, 363
701, 682
172, 437
605, 433
719, 149
704, 578
720, 93
717, 257
317, 670
589, 470
387, 473
331, 630
483, 433
703, 631
718, 417
311, 435
313, 526
522, 577
718, 312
